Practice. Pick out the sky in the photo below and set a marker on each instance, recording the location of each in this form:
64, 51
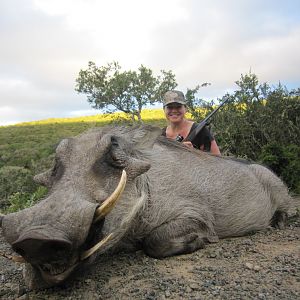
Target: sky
45, 43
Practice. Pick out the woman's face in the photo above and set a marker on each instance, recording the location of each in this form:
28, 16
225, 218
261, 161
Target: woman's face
175, 112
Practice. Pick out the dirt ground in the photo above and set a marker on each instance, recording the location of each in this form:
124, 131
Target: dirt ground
265, 265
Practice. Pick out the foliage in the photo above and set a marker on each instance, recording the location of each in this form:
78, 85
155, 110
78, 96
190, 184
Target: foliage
14, 179
283, 160
197, 107
20, 200
260, 123
107, 87
256, 116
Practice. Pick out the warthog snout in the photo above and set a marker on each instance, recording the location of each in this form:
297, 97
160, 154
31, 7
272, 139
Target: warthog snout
38, 247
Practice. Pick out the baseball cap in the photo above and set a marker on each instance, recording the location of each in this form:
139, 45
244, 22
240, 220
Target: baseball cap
174, 97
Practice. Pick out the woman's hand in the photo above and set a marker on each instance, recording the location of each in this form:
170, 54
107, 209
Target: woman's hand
188, 144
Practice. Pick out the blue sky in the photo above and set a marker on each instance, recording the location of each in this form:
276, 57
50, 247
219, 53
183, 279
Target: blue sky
44, 44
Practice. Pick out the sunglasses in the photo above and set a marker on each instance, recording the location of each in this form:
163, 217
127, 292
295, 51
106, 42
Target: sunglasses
174, 106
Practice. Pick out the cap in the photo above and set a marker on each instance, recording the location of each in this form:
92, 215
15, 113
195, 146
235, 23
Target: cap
174, 97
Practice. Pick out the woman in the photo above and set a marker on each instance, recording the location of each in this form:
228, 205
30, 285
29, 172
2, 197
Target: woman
175, 110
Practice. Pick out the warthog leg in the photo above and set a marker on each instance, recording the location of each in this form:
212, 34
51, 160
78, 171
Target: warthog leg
176, 237
279, 219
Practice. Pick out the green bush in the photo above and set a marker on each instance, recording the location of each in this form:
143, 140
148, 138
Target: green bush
15, 179
284, 161
21, 200
261, 123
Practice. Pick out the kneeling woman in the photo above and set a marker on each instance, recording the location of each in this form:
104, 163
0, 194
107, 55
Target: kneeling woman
175, 110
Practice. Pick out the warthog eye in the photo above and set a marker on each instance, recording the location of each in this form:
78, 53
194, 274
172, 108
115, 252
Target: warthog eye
115, 160
114, 157
114, 142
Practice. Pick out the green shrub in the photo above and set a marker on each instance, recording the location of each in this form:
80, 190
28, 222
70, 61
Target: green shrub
21, 200
261, 123
284, 161
15, 180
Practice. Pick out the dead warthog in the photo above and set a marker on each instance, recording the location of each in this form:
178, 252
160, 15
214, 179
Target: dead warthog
171, 200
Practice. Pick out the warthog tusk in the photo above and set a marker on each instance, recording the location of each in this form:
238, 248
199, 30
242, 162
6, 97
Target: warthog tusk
110, 202
14, 258
92, 250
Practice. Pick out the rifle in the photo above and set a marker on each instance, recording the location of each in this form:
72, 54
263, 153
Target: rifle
192, 135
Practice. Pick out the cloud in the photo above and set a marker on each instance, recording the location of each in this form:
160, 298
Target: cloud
221, 41
44, 44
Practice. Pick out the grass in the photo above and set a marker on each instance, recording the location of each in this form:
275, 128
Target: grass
25, 143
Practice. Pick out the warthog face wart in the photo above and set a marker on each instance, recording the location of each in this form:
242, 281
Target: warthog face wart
128, 187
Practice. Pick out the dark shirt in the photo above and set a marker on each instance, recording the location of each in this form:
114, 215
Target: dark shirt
204, 138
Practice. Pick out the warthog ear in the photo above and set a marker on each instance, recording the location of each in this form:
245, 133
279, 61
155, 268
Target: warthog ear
145, 136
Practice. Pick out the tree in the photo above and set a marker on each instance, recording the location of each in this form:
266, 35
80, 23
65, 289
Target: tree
197, 107
109, 88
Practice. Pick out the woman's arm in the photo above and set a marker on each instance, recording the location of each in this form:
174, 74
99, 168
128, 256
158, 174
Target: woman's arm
214, 148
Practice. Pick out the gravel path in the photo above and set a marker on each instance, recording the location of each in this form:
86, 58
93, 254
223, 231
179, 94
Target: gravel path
261, 266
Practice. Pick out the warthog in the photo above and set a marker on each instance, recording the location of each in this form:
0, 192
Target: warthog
170, 200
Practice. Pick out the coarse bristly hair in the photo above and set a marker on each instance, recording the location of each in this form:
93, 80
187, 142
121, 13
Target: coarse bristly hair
189, 190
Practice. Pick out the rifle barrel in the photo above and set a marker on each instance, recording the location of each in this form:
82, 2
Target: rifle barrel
203, 123
214, 111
